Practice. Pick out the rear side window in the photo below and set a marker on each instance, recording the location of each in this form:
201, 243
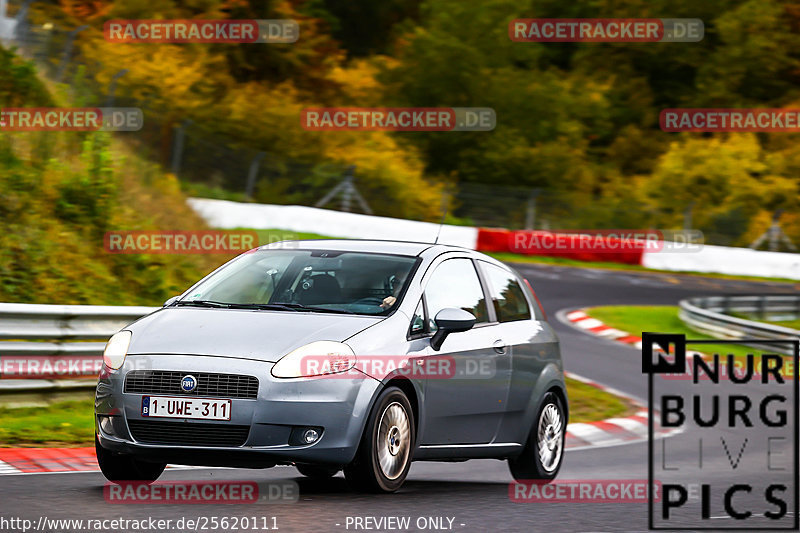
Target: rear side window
455, 283
508, 296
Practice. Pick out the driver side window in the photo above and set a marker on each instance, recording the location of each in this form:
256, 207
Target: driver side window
455, 283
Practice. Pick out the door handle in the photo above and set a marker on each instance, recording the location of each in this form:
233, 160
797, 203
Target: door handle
499, 346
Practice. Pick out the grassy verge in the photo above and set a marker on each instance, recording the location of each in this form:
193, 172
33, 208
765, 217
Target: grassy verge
590, 404
563, 261
659, 319
794, 324
70, 423
60, 424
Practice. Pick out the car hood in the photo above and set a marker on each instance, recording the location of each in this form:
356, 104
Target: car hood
247, 334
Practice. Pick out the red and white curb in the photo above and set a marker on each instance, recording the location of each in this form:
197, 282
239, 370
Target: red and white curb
612, 431
591, 325
46, 460
53, 460
608, 432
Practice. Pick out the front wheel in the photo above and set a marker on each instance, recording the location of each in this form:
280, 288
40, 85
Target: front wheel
542, 456
118, 467
384, 455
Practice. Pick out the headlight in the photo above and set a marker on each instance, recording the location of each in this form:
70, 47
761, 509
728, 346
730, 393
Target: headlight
315, 359
117, 349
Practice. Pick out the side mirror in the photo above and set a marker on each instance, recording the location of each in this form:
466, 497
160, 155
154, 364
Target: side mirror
450, 320
171, 301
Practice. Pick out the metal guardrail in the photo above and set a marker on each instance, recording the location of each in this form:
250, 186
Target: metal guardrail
710, 315
65, 322
56, 332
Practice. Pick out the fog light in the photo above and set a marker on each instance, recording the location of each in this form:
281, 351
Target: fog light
310, 436
106, 425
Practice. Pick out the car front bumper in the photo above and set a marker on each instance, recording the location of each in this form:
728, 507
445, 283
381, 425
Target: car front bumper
339, 405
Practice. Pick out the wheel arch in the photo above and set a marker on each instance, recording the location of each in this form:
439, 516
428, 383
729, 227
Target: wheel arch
410, 390
551, 379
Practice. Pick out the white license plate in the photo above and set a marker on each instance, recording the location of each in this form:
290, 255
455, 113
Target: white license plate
182, 407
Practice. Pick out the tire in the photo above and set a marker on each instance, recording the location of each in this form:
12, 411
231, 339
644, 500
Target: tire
549, 431
317, 472
118, 467
384, 454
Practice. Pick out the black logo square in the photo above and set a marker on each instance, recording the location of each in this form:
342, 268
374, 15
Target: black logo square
663, 341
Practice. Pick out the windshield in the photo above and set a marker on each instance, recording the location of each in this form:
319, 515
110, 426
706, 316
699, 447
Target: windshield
307, 280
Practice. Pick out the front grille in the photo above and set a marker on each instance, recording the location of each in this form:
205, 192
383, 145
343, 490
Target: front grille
208, 385
188, 434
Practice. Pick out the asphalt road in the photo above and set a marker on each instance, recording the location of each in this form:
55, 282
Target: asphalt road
469, 496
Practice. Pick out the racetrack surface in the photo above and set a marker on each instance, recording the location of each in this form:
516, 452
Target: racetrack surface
474, 494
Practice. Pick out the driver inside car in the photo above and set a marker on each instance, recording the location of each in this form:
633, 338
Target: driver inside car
395, 284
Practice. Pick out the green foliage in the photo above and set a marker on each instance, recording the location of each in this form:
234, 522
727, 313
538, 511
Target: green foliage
579, 120
53, 221
576, 121
60, 192
18, 82
364, 27
87, 197
727, 182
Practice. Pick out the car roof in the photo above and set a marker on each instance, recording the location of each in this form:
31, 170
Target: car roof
359, 245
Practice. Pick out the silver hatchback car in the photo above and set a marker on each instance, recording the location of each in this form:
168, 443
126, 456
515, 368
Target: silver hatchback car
332, 355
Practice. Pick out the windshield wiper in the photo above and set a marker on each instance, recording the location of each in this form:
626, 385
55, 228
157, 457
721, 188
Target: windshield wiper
202, 303
301, 307
278, 306
266, 307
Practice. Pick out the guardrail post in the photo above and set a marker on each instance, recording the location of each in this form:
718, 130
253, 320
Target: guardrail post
177, 146
112, 87
252, 174
65, 59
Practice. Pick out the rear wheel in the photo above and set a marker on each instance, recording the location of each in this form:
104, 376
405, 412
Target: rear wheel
384, 455
317, 472
543, 453
122, 467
